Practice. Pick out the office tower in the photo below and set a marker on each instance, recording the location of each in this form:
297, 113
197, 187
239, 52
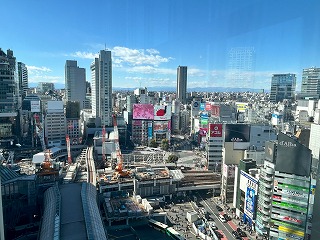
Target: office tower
310, 82
241, 67
55, 124
101, 78
182, 84
23, 79
8, 97
285, 190
73, 121
75, 83
282, 87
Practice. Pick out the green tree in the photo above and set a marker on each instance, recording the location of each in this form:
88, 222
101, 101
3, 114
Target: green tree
153, 143
173, 159
165, 144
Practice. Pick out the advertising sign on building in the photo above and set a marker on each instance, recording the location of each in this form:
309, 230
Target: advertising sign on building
35, 106
292, 156
215, 130
249, 185
241, 107
204, 122
150, 130
143, 111
208, 107
162, 112
270, 151
215, 111
202, 106
237, 133
203, 131
204, 115
160, 126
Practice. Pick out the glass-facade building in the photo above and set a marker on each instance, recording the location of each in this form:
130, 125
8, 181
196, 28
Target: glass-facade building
282, 87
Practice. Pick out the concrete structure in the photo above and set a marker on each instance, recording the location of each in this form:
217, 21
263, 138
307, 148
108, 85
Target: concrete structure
101, 77
23, 79
55, 124
310, 85
282, 87
73, 122
71, 212
182, 78
75, 83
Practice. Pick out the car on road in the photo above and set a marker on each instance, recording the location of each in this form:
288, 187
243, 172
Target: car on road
222, 219
236, 235
227, 217
219, 208
241, 232
218, 234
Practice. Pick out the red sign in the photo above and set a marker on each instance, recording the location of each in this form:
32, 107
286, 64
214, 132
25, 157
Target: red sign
215, 111
215, 130
208, 107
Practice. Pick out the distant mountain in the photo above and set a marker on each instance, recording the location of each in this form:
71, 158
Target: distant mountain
197, 89
173, 89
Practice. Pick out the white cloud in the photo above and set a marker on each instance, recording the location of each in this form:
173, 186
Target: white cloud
37, 70
128, 56
86, 55
152, 70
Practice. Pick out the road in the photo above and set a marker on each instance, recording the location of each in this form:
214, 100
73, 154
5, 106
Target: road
210, 206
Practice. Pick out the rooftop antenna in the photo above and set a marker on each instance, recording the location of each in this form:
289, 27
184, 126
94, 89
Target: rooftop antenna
105, 46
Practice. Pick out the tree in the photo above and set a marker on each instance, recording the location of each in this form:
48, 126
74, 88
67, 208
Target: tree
153, 143
165, 144
173, 159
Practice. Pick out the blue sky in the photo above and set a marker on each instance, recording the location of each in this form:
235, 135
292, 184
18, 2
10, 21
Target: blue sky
149, 39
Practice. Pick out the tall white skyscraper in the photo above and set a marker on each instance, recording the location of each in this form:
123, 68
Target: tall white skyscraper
75, 82
101, 77
241, 67
182, 84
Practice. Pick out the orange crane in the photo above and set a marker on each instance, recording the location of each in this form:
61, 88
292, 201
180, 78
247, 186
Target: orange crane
68, 149
103, 144
119, 167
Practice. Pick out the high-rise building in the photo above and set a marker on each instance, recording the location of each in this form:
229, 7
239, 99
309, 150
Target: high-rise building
23, 79
282, 87
75, 83
284, 207
310, 82
101, 78
9, 97
55, 124
241, 67
182, 84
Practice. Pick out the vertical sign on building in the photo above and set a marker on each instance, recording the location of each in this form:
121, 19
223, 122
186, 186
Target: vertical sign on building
215, 130
150, 130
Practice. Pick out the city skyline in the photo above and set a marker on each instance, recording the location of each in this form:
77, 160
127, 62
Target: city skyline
149, 40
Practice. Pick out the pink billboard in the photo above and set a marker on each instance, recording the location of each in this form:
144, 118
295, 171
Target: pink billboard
143, 111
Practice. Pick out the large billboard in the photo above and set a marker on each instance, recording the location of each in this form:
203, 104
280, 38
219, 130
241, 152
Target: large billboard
215, 130
215, 111
143, 111
249, 185
241, 107
160, 126
34, 106
237, 133
208, 107
292, 156
162, 112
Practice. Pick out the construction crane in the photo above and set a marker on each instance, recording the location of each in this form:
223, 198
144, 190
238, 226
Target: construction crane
119, 168
103, 144
68, 149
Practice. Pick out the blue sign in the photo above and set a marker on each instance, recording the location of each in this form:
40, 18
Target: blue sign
202, 106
